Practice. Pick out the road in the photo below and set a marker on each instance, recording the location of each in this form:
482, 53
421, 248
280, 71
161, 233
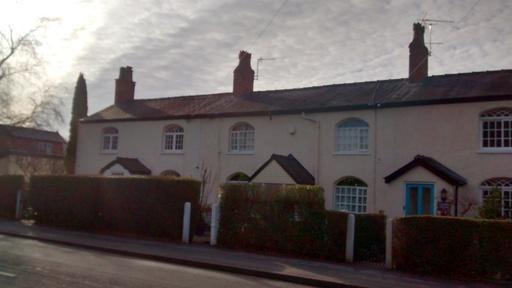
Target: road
30, 263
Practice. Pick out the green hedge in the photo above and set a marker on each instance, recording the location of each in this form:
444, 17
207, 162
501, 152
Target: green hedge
370, 237
9, 187
288, 220
454, 247
149, 206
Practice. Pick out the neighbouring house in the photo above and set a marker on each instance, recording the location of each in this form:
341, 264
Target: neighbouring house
30, 151
391, 146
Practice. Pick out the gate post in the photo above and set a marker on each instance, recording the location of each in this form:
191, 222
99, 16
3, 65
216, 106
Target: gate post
186, 224
214, 227
349, 243
389, 243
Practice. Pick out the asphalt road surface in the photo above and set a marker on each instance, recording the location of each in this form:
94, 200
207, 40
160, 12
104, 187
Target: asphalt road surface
29, 263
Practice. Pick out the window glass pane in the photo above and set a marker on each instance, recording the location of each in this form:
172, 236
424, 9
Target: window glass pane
106, 142
179, 141
113, 145
350, 199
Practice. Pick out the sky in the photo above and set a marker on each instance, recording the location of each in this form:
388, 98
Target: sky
186, 47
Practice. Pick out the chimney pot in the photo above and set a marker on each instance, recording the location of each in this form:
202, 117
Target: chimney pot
418, 55
243, 75
125, 87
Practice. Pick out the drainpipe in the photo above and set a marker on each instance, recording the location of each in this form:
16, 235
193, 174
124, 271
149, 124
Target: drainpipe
317, 158
456, 200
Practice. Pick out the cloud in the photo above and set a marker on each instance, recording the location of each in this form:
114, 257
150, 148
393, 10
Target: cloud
191, 47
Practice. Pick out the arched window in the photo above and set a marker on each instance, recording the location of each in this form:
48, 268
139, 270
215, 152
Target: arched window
241, 138
496, 129
350, 195
352, 136
170, 173
239, 177
173, 138
110, 139
504, 184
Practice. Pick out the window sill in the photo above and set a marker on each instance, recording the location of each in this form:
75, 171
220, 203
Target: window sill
108, 152
490, 151
240, 153
172, 152
351, 153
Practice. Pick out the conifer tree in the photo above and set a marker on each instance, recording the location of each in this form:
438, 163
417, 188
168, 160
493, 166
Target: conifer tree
78, 111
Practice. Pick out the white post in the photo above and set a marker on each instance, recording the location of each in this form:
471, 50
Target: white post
389, 241
214, 227
17, 216
186, 224
349, 245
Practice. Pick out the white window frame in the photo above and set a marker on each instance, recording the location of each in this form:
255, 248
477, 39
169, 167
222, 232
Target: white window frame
241, 141
45, 147
501, 119
111, 139
351, 199
506, 193
352, 139
173, 140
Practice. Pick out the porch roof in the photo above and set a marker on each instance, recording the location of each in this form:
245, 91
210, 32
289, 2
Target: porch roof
431, 165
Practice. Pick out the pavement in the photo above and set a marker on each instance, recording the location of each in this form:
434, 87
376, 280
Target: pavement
299, 271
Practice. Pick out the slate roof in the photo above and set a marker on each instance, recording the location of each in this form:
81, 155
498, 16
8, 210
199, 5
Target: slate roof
441, 89
31, 133
291, 166
431, 165
133, 165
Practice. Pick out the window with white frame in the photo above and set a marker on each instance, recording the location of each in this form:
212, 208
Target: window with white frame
352, 136
504, 184
241, 138
173, 138
496, 130
110, 139
45, 147
350, 195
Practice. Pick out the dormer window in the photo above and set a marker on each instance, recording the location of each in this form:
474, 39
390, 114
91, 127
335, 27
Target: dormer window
496, 129
173, 138
110, 139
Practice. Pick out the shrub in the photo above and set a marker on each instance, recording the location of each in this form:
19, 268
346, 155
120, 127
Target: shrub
370, 237
453, 247
491, 208
336, 235
65, 201
9, 187
150, 206
288, 219
292, 220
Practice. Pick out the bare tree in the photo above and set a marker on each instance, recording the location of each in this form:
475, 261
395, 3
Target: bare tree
19, 64
29, 165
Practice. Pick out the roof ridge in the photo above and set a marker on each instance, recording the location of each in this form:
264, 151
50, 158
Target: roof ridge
323, 86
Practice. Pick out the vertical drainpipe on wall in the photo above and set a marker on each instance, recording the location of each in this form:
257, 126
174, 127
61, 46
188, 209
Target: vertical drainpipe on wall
375, 127
456, 200
317, 157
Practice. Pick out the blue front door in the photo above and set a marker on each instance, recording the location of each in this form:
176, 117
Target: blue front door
419, 199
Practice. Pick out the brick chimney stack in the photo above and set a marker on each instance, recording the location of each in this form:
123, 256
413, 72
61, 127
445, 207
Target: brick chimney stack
125, 87
243, 75
418, 55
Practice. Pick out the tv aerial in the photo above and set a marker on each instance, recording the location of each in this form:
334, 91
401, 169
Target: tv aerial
428, 22
258, 61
